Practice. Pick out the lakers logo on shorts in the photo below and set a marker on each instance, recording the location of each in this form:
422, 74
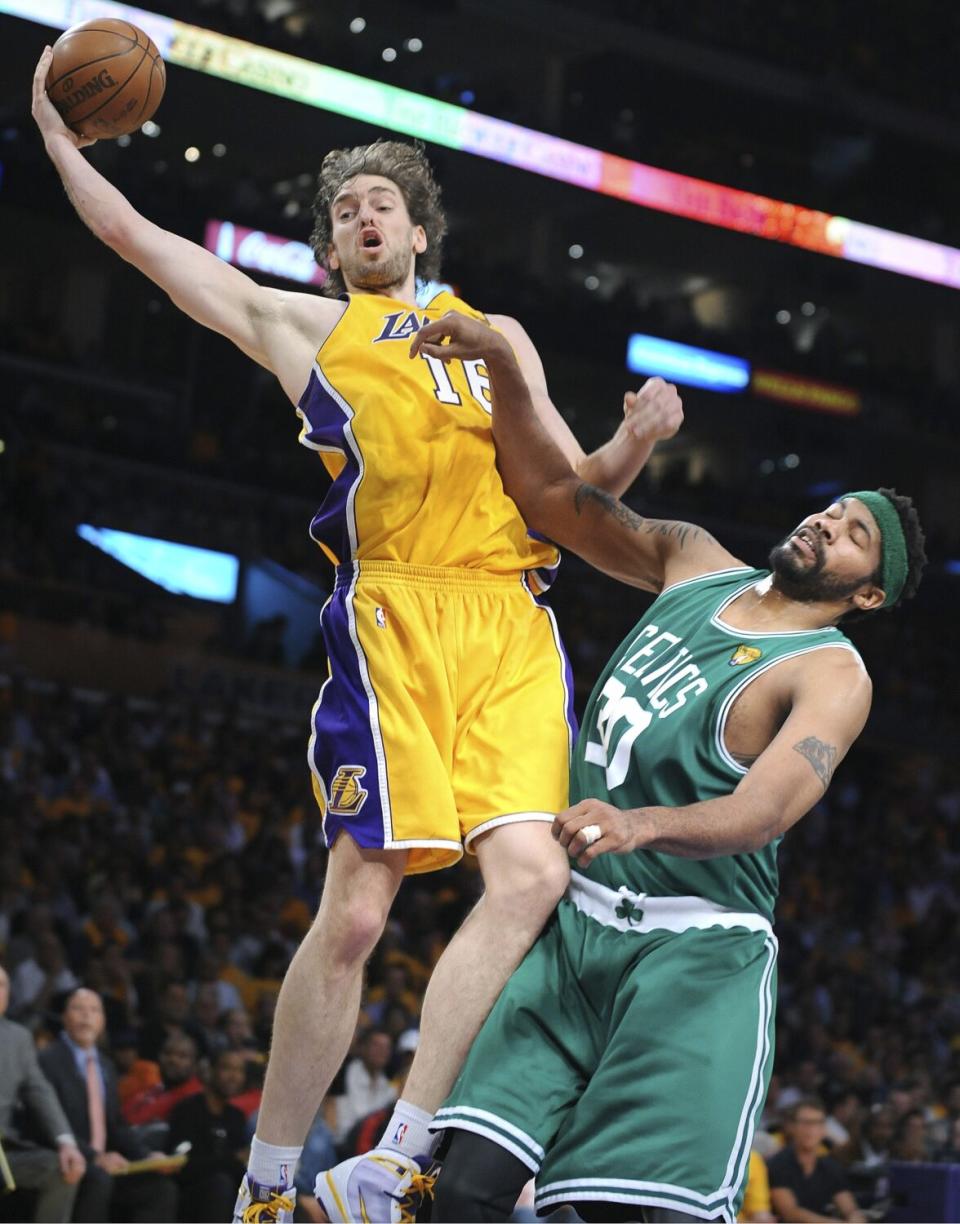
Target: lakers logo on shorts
347, 796
744, 654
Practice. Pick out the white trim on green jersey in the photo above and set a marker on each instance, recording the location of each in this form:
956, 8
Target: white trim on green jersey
731, 697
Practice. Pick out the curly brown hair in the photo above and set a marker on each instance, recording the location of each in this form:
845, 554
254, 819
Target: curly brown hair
403, 164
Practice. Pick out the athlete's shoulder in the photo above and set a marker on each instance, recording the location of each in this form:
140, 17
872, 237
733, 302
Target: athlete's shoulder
691, 554
722, 577
831, 674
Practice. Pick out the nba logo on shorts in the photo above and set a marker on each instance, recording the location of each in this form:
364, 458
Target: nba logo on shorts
381, 619
399, 1133
347, 796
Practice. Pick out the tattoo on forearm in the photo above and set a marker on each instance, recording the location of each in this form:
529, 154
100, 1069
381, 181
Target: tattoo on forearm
614, 507
820, 755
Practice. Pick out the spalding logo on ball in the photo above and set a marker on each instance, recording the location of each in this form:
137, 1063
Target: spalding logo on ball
106, 78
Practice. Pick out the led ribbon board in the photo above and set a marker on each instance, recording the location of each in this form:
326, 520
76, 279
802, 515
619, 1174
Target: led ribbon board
682, 363
806, 392
455, 127
179, 568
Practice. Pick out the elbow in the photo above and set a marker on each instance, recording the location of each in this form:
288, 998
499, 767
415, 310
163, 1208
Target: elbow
761, 835
112, 233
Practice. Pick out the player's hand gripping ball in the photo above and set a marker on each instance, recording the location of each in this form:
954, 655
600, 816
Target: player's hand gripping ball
106, 78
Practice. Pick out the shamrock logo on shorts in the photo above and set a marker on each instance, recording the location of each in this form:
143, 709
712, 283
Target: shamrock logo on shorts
627, 909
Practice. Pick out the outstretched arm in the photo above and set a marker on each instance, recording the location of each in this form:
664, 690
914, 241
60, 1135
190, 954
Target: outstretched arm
829, 705
277, 329
552, 498
649, 415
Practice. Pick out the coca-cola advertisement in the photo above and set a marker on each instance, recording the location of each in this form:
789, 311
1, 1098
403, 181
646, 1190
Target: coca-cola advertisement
261, 252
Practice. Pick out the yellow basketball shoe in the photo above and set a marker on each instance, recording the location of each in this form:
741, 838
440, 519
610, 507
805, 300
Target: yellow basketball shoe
380, 1187
258, 1204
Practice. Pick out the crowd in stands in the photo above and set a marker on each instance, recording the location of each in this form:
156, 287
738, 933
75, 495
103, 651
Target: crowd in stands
164, 860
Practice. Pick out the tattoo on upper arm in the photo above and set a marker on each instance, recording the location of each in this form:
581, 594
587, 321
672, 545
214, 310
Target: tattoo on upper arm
614, 507
820, 755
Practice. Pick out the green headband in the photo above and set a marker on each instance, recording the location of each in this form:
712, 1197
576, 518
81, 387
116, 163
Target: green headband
893, 543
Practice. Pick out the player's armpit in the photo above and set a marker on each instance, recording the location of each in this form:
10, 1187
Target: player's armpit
830, 704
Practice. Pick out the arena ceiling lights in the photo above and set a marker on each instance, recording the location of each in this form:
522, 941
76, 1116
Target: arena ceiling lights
455, 127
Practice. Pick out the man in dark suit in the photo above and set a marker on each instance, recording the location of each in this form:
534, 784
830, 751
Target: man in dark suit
55, 1170
86, 1083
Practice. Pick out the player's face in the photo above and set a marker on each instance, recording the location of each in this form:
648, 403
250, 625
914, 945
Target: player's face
831, 556
373, 241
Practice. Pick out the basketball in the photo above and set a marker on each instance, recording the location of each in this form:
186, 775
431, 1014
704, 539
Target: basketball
106, 79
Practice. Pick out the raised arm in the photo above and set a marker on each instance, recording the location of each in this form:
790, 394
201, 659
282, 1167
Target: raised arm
282, 331
553, 499
648, 417
829, 695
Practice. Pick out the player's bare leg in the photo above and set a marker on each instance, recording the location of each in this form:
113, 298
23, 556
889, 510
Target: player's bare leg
525, 873
317, 1013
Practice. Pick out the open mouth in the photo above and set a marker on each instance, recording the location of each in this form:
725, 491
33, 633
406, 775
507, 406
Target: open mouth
370, 240
805, 542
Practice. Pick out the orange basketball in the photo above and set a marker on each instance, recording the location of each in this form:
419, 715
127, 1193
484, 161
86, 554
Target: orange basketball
106, 79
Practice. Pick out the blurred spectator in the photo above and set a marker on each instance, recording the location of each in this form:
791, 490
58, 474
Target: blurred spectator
206, 1014
403, 1052
39, 978
238, 1032
910, 1138
52, 1171
843, 1121
394, 993
209, 970
756, 1199
179, 1079
319, 1153
803, 1184
173, 1019
86, 1084
366, 1087
950, 1152
135, 1074
872, 1148
217, 1134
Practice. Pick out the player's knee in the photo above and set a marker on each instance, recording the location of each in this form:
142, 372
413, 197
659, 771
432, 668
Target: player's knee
348, 933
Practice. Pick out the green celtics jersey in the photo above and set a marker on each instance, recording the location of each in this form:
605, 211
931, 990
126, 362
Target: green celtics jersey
653, 733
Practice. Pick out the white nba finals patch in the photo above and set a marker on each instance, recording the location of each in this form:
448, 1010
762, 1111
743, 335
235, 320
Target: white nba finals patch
744, 654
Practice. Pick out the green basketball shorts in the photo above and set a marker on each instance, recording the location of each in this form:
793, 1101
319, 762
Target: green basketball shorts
628, 1057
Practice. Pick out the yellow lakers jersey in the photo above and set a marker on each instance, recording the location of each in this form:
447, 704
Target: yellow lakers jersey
409, 444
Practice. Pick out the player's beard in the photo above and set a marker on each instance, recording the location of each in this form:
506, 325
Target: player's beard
805, 581
386, 273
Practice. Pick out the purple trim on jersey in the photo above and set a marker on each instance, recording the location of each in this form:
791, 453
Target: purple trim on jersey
343, 735
327, 430
571, 708
571, 712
